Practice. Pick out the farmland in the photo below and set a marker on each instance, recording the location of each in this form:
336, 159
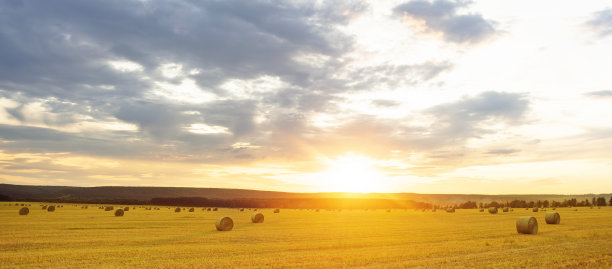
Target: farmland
72, 237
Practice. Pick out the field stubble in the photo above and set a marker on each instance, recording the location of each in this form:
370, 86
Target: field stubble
73, 237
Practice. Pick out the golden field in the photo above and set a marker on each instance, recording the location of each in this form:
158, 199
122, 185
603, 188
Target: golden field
72, 237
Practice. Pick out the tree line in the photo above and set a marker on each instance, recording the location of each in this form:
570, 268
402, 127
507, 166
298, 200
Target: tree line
595, 201
322, 203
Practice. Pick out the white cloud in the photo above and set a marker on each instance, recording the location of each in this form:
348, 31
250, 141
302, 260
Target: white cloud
125, 66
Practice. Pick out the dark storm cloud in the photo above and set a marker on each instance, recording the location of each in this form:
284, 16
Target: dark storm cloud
441, 16
602, 22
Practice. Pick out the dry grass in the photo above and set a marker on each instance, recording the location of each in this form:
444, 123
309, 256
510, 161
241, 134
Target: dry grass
75, 238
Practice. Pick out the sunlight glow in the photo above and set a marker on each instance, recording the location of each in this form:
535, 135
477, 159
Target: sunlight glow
353, 173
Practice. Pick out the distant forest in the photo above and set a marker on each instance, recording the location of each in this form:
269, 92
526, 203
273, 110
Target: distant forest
214, 197
322, 203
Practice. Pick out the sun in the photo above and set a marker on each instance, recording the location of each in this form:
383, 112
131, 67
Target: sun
352, 173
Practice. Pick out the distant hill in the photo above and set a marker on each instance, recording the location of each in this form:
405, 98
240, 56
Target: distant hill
147, 193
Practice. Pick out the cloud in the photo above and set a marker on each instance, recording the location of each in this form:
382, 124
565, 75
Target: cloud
384, 103
184, 81
502, 151
441, 16
602, 22
599, 94
471, 116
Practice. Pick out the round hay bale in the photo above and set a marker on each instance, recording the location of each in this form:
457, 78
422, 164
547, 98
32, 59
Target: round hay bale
317, 210
527, 225
109, 208
44, 207
127, 208
576, 209
208, 209
215, 209
51, 208
552, 218
535, 209
450, 210
433, 210
481, 210
242, 209
177, 210
277, 210
192, 209
224, 224
257, 218
493, 210
505, 209
119, 212
24, 211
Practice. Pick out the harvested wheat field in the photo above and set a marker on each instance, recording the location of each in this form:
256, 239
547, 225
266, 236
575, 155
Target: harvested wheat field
75, 238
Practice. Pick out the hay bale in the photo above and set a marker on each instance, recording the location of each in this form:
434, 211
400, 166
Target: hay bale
208, 209
481, 210
192, 209
257, 218
127, 208
224, 224
51, 208
177, 210
277, 210
552, 218
24, 211
215, 209
109, 208
535, 209
527, 225
242, 209
44, 207
505, 209
119, 212
317, 210
554, 208
433, 210
493, 210
450, 210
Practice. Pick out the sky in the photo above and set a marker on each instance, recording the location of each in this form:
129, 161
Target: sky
490, 97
